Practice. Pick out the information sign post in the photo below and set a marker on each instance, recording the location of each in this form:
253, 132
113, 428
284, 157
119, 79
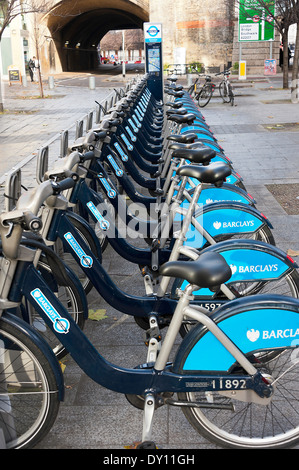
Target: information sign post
256, 23
153, 58
256, 20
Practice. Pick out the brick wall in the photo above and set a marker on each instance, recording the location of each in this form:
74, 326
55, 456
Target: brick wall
203, 27
209, 33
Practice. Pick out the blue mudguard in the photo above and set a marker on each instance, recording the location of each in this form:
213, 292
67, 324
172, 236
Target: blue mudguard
249, 260
227, 192
226, 218
254, 324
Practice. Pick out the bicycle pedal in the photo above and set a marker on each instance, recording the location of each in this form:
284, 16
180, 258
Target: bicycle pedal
147, 445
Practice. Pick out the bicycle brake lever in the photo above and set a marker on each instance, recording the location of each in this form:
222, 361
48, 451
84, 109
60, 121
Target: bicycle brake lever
10, 229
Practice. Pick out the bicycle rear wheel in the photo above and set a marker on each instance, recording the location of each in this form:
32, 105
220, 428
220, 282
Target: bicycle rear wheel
249, 425
29, 400
287, 285
204, 96
231, 95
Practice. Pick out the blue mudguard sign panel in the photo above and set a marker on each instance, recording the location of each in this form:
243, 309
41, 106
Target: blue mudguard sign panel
218, 222
251, 331
248, 265
213, 194
221, 222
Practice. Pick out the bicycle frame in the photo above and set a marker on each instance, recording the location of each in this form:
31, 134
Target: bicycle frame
191, 371
156, 379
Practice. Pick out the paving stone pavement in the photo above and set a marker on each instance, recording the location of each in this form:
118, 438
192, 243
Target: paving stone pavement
91, 416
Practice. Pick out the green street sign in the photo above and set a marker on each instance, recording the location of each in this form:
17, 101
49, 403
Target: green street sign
256, 23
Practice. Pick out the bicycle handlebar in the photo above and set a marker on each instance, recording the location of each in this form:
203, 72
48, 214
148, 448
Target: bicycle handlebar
67, 183
225, 72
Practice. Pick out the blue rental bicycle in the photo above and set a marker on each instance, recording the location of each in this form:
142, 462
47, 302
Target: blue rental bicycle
234, 375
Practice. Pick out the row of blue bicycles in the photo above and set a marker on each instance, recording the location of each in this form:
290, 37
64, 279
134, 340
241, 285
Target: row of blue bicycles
151, 180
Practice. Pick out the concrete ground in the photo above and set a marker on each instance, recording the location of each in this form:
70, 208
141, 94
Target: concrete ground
259, 134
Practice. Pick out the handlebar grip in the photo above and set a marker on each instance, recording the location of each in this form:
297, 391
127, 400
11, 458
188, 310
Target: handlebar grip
101, 135
87, 156
72, 174
63, 175
60, 186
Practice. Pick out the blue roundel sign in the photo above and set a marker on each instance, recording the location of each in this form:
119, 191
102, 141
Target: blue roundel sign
152, 32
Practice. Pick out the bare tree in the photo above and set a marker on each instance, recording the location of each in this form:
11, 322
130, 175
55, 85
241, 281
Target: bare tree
10, 9
294, 83
38, 35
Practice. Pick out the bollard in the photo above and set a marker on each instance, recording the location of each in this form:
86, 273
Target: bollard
92, 83
51, 83
189, 79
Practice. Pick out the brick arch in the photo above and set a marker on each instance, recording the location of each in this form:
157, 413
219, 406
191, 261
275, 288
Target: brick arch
86, 22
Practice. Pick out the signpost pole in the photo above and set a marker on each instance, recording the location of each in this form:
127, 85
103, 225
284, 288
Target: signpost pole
124, 58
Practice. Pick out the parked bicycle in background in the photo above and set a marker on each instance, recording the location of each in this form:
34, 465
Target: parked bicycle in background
204, 94
225, 88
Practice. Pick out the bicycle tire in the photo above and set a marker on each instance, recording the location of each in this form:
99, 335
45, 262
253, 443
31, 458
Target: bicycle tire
249, 425
68, 295
204, 96
69, 259
224, 92
232, 99
263, 234
28, 386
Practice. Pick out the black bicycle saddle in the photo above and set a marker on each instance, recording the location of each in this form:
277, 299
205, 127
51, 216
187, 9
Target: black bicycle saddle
180, 111
209, 270
183, 138
186, 119
215, 173
195, 155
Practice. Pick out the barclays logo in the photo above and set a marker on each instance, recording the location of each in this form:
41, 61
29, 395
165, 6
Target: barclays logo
60, 324
253, 335
258, 268
85, 260
210, 201
238, 224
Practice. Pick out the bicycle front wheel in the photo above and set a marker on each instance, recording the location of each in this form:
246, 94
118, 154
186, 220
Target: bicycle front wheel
223, 90
204, 96
29, 400
249, 425
70, 260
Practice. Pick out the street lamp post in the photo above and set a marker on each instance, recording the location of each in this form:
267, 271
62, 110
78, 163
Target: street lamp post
124, 64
